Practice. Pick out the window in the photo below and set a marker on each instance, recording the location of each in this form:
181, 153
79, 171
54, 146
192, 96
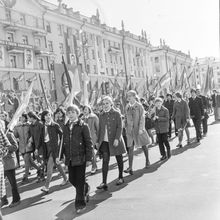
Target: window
36, 22
107, 71
121, 60
22, 19
61, 48
112, 71
116, 60
93, 54
12, 59
134, 61
8, 15
59, 29
110, 58
109, 43
87, 53
95, 69
10, 37
141, 62
104, 43
50, 46
48, 27
98, 54
37, 42
106, 58
156, 59
119, 46
218, 73
138, 62
114, 44
217, 67
88, 68
97, 40
25, 39
40, 64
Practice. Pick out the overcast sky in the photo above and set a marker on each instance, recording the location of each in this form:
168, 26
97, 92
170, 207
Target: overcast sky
184, 24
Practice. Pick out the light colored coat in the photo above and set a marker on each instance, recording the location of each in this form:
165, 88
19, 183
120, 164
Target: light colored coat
134, 123
93, 122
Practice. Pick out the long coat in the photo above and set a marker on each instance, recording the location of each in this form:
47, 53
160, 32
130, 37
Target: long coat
10, 159
113, 121
77, 143
134, 123
55, 134
22, 132
196, 108
180, 113
93, 122
162, 123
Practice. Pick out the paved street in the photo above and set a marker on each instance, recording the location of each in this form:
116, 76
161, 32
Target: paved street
185, 188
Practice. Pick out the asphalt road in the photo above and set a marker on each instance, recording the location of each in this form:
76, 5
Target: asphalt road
186, 187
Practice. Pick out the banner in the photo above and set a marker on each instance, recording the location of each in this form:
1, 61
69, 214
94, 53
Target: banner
28, 58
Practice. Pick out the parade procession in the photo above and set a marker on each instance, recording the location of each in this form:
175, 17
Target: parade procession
88, 110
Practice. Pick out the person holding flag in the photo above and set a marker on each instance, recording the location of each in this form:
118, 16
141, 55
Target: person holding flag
51, 136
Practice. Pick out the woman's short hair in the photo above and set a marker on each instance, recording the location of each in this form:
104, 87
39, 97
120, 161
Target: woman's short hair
33, 115
60, 109
158, 100
132, 92
73, 108
109, 98
24, 115
178, 95
43, 114
87, 106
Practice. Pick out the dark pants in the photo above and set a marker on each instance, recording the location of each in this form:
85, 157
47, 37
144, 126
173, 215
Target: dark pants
18, 157
104, 150
170, 128
197, 125
10, 174
77, 179
205, 125
163, 140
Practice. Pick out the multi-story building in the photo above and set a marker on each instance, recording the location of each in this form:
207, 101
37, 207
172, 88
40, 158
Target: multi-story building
201, 67
164, 59
35, 34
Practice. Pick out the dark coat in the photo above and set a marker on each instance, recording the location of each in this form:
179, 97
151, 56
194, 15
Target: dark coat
169, 105
196, 108
162, 123
114, 126
10, 160
77, 143
55, 134
35, 130
214, 100
204, 101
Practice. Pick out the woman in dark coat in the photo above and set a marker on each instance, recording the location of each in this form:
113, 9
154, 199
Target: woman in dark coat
51, 135
110, 140
77, 148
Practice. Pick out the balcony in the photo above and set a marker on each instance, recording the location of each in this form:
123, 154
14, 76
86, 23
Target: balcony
13, 47
13, 21
114, 50
43, 52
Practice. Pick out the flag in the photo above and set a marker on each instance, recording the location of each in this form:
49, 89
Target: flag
21, 108
209, 82
67, 74
184, 83
85, 89
75, 88
163, 81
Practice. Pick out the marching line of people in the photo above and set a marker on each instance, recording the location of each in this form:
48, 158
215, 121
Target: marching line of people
77, 137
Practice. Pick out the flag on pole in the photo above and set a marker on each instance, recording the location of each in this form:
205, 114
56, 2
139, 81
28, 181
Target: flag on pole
209, 82
75, 89
22, 107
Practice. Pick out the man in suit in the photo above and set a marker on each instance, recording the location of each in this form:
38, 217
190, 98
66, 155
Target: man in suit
196, 112
205, 107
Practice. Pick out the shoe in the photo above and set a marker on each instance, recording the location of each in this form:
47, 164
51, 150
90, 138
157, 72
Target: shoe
87, 190
64, 182
45, 189
13, 204
198, 141
188, 142
163, 158
147, 165
80, 210
205, 134
130, 171
25, 180
179, 145
102, 186
168, 155
93, 171
120, 182
4, 201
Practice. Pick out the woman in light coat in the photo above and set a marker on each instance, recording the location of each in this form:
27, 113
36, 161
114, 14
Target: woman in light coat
135, 129
93, 122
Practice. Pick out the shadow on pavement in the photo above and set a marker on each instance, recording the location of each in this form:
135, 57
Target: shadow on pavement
33, 201
68, 213
178, 151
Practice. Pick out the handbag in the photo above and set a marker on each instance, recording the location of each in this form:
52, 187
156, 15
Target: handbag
144, 139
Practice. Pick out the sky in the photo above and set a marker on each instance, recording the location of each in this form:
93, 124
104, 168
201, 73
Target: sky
186, 25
